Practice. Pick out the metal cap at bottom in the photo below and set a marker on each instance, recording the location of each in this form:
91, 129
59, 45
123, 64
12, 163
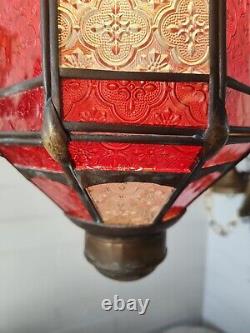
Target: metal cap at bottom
125, 258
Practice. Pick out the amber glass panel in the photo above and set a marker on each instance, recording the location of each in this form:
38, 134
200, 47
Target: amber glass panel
136, 157
139, 35
20, 51
238, 106
22, 112
238, 39
64, 196
129, 203
136, 102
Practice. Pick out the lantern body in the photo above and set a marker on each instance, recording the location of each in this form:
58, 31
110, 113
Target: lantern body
124, 112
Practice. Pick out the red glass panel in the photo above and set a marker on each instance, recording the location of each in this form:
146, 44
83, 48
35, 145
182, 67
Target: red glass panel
238, 105
195, 189
22, 112
20, 51
238, 39
64, 196
172, 213
229, 153
117, 156
137, 102
31, 157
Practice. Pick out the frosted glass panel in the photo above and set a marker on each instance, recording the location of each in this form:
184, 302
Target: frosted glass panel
129, 203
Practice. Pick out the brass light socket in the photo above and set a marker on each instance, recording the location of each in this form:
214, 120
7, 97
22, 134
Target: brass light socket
126, 258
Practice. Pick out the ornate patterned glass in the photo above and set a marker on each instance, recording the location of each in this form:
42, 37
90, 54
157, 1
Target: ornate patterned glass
124, 111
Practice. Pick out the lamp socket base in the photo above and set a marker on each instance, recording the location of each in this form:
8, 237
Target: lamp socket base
125, 258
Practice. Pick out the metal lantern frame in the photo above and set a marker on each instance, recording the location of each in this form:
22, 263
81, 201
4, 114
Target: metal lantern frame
56, 133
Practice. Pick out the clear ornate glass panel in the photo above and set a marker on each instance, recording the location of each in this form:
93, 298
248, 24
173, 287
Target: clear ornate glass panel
129, 203
137, 35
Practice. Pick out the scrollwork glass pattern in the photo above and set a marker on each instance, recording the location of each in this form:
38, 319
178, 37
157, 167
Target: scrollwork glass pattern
137, 102
133, 157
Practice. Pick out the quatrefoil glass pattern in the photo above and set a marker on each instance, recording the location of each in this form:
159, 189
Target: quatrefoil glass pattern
135, 35
131, 142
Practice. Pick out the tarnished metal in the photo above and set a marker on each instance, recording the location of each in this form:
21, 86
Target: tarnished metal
125, 258
54, 136
131, 253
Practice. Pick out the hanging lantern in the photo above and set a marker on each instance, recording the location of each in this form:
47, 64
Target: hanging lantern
123, 112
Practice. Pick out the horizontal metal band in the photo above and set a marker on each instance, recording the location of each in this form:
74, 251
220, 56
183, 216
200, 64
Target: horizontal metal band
88, 74
235, 139
34, 138
239, 135
131, 129
20, 87
21, 138
139, 138
97, 177
237, 85
239, 130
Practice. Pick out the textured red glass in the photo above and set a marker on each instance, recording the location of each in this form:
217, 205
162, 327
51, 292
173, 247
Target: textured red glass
238, 105
64, 196
30, 157
136, 102
227, 154
22, 112
139, 157
20, 51
238, 39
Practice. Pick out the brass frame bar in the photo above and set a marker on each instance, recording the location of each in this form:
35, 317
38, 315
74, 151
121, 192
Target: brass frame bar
212, 139
92, 74
216, 134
